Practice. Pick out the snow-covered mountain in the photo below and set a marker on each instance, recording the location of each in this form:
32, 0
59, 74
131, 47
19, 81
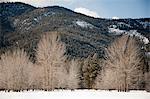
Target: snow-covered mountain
22, 26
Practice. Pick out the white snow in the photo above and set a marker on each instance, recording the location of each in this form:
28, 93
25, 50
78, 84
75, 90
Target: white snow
116, 31
25, 21
35, 19
77, 94
145, 24
113, 26
135, 33
46, 14
27, 28
49, 13
15, 22
145, 40
131, 33
147, 54
38, 19
84, 24
122, 24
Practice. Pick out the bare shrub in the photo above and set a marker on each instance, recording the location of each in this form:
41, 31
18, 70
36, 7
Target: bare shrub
50, 55
73, 78
123, 69
89, 70
14, 70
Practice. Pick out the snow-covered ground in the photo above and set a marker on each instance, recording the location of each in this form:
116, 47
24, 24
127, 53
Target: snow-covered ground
78, 94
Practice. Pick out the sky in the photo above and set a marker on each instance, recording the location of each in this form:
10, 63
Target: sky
99, 8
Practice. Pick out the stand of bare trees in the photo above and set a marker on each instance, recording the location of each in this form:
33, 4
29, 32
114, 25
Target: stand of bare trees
49, 71
73, 74
15, 69
123, 69
51, 58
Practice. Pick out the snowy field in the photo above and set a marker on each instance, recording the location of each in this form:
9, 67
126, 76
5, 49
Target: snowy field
78, 94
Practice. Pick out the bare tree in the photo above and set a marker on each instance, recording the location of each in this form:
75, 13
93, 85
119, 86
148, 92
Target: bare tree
14, 69
73, 78
50, 55
36, 77
123, 69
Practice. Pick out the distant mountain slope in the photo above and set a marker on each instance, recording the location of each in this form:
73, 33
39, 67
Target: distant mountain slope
9, 10
23, 25
14, 9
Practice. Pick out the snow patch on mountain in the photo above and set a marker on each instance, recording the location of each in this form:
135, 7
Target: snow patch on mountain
116, 31
113, 26
122, 24
145, 24
35, 19
84, 24
15, 22
130, 33
135, 33
27, 28
147, 54
49, 13
25, 21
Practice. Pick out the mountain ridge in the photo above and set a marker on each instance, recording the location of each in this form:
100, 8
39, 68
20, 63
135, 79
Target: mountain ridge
83, 35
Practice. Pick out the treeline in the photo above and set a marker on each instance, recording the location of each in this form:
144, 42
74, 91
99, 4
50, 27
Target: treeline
122, 69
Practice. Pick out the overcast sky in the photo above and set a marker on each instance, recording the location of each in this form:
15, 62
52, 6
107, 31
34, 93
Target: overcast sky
99, 8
